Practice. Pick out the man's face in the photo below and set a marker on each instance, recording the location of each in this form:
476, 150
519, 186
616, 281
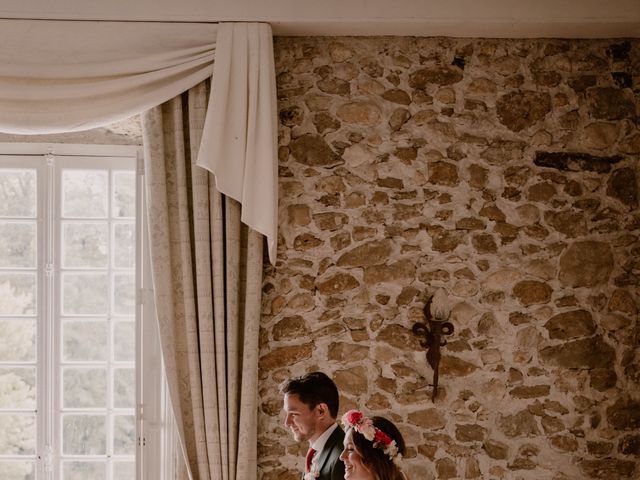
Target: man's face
300, 419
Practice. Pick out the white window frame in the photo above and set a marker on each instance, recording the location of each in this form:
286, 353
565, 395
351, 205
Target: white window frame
153, 421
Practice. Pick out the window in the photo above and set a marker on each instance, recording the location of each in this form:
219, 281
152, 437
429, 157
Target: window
71, 396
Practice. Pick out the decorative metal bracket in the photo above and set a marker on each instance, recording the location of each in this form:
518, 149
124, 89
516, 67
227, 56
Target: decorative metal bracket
431, 332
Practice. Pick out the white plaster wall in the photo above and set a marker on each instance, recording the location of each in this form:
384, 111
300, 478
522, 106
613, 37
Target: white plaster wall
466, 18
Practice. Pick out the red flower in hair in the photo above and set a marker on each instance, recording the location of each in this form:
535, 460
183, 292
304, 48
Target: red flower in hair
354, 417
382, 437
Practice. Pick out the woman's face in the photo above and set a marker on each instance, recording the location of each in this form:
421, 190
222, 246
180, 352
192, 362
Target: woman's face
354, 469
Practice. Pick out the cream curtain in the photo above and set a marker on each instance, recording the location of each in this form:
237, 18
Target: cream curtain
207, 272
245, 71
58, 76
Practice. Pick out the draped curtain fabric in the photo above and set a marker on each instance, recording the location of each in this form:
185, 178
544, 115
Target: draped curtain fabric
245, 74
59, 76
207, 273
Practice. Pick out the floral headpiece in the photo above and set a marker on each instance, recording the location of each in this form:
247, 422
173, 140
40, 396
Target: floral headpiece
355, 419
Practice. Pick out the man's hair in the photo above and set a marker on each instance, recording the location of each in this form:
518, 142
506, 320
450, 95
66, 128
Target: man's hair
313, 389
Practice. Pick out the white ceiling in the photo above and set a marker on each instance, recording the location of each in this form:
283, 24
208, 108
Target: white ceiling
460, 18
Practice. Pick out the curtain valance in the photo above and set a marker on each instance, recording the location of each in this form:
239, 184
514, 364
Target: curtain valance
64, 76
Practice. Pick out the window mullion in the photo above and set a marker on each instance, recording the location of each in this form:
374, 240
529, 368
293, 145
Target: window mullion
141, 238
49, 388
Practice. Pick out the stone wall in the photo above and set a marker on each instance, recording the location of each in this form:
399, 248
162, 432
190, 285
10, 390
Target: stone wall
505, 172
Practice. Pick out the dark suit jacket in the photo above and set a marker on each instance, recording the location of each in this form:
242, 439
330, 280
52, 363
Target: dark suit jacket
331, 467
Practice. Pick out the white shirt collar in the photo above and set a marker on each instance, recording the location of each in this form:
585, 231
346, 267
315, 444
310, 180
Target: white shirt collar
320, 442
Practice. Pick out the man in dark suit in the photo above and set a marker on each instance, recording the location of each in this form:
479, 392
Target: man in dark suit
311, 407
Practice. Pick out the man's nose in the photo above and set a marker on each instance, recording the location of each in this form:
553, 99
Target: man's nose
287, 420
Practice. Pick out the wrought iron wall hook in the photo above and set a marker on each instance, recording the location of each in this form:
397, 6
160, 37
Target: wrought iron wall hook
431, 333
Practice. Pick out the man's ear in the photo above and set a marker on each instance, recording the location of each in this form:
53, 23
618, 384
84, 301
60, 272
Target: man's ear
323, 409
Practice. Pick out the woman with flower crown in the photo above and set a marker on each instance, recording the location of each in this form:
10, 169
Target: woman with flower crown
373, 448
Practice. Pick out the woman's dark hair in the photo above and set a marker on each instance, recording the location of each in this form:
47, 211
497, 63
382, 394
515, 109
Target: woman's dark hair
378, 462
313, 389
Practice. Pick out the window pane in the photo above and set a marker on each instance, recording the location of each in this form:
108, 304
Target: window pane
124, 388
85, 245
85, 294
17, 340
18, 193
124, 196
124, 435
17, 245
84, 471
17, 470
124, 470
84, 435
18, 388
85, 387
18, 434
124, 294
124, 341
17, 294
84, 193
84, 341
124, 239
